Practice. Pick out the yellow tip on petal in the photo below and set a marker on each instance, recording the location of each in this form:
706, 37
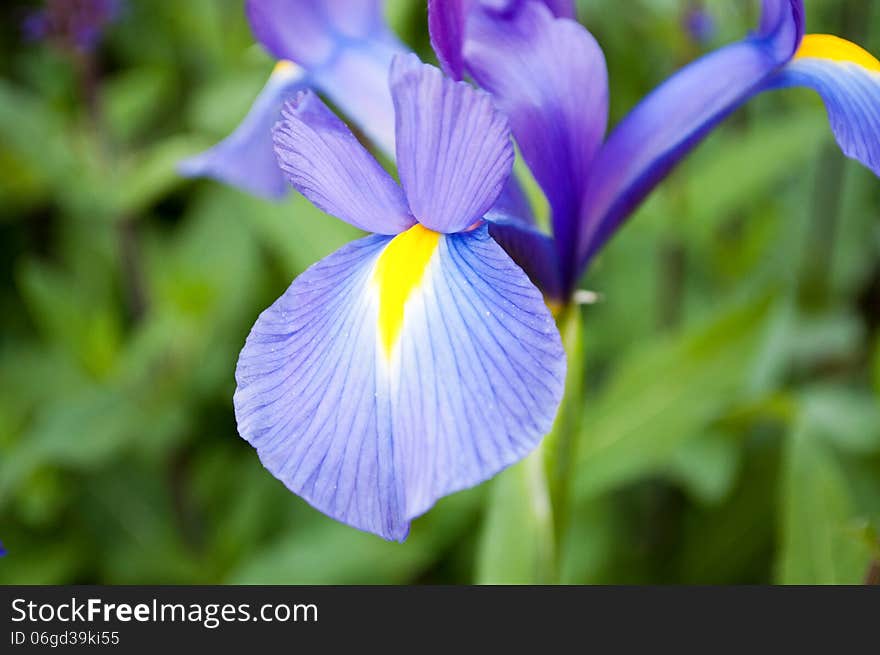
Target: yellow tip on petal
284, 67
399, 271
827, 46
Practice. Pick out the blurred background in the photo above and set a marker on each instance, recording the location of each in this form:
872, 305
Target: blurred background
729, 419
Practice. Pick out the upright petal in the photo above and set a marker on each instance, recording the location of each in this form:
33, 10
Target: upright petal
446, 19
548, 75
446, 24
848, 80
325, 162
676, 116
345, 46
246, 158
372, 430
454, 152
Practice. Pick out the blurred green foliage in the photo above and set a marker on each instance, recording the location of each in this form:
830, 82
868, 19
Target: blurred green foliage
727, 427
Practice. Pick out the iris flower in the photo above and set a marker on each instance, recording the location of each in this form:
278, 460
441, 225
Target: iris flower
414, 362
548, 75
341, 48
422, 360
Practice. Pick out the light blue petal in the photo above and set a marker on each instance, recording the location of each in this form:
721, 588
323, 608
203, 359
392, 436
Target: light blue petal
852, 96
345, 46
454, 152
325, 162
309, 31
374, 439
246, 158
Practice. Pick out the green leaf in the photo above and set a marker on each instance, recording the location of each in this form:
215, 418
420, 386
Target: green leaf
848, 418
707, 467
35, 147
821, 540
132, 100
663, 395
152, 174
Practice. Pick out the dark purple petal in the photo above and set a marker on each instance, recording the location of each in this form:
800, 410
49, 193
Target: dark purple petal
532, 251
548, 76
324, 161
447, 20
454, 153
676, 116
246, 158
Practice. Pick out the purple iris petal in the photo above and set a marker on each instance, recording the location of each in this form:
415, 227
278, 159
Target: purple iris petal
447, 23
665, 126
2, 550
246, 158
548, 76
326, 163
372, 443
344, 50
852, 96
454, 152
310, 31
345, 46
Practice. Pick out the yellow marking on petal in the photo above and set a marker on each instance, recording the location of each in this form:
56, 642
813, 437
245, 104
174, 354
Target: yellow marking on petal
398, 272
827, 46
284, 67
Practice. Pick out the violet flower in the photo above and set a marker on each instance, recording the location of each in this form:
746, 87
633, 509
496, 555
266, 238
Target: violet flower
548, 75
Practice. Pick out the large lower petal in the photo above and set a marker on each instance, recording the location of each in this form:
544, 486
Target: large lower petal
848, 80
454, 152
326, 163
395, 372
246, 158
675, 117
548, 75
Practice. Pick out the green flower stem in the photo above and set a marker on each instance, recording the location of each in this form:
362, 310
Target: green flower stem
558, 444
